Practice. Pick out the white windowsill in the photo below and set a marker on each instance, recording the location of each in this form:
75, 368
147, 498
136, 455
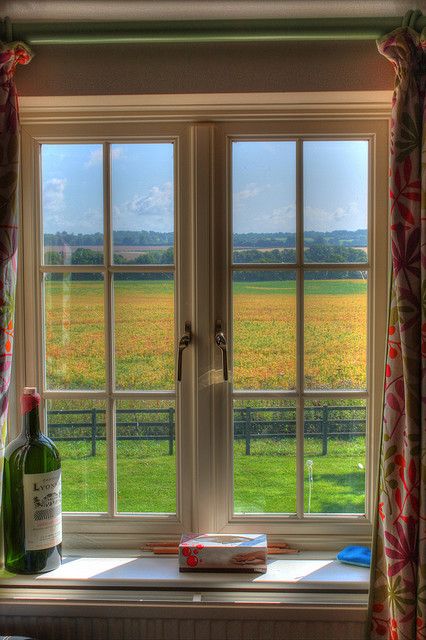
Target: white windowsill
309, 572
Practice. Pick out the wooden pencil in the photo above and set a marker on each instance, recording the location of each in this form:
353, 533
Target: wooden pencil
175, 550
160, 543
172, 543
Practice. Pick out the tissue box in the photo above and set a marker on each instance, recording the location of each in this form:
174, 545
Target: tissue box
223, 552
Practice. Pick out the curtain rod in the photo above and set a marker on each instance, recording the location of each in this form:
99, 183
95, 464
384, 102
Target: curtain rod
268, 30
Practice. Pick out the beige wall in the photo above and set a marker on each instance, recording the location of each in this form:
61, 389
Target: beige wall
204, 68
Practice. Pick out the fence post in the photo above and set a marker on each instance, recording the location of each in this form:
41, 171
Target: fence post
324, 429
247, 430
93, 432
171, 412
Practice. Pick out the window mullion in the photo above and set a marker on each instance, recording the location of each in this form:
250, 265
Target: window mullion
205, 486
109, 336
299, 330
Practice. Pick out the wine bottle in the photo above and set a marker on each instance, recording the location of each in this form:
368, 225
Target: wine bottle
32, 505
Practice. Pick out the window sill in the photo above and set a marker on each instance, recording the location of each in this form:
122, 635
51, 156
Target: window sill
311, 576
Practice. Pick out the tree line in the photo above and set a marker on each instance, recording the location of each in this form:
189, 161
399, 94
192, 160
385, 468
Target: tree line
143, 238
316, 253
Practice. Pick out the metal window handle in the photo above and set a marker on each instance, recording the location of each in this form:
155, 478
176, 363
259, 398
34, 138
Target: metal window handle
184, 342
221, 343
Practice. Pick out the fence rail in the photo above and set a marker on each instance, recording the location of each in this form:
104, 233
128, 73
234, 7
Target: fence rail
250, 423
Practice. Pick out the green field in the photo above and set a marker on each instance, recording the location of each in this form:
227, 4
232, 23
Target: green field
264, 357
265, 481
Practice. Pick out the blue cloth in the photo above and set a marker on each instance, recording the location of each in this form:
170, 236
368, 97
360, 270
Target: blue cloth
360, 556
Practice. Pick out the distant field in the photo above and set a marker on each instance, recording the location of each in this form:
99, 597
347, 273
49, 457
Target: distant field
264, 334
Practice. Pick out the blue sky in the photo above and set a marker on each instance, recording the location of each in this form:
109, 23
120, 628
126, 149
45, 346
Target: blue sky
263, 197
335, 185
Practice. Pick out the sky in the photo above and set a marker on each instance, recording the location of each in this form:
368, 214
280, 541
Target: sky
263, 186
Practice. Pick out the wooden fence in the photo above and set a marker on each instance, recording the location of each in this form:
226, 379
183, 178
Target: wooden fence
250, 423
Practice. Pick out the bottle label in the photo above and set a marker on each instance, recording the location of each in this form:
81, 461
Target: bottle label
43, 510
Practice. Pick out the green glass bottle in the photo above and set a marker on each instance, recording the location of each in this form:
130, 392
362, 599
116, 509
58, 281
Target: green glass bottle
32, 506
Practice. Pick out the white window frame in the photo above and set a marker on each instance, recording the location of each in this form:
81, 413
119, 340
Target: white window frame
203, 494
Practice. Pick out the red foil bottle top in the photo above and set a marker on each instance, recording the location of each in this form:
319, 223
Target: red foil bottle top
29, 399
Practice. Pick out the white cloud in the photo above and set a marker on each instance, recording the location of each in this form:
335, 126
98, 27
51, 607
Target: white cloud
56, 216
117, 152
54, 196
280, 219
284, 215
96, 156
89, 221
150, 211
348, 217
251, 190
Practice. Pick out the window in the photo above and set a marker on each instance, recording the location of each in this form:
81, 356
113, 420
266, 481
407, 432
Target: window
108, 322
299, 299
264, 235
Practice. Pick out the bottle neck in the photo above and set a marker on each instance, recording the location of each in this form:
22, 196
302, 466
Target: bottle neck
31, 423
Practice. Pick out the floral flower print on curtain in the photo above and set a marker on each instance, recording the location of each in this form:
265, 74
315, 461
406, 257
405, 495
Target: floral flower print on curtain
398, 580
10, 56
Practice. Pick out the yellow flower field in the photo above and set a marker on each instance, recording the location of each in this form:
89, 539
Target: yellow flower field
264, 334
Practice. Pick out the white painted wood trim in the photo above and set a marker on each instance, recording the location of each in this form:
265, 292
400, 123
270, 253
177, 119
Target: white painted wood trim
309, 572
317, 529
110, 108
95, 117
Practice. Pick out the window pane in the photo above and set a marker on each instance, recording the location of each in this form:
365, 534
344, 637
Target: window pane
144, 330
264, 200
335, 188
142, 203
335, 329
74, 330
264, 456
264, 306
72, 203
77, 427
335, 456
146, 456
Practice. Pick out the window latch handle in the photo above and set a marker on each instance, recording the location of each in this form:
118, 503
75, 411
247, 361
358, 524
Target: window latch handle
221, 343
184, 342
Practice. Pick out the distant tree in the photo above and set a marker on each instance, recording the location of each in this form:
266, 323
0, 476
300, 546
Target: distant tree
87, 256
342, 237
274, 255
321, 252
53, 257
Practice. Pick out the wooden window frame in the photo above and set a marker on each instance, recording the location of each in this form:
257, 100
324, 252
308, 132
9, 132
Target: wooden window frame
196, 120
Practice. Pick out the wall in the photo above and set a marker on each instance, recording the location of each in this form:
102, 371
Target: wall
144, 621
205, 68
292, 67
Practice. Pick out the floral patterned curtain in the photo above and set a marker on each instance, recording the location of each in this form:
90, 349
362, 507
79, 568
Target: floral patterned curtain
10, 56
398, 579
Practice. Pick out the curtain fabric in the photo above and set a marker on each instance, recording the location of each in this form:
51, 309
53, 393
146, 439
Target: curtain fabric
10, 56
398, 579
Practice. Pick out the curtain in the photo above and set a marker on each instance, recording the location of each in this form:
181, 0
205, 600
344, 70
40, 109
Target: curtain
10, 56
398, 576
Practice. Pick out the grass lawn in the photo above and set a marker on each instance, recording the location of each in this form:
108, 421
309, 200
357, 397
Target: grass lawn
265, 481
